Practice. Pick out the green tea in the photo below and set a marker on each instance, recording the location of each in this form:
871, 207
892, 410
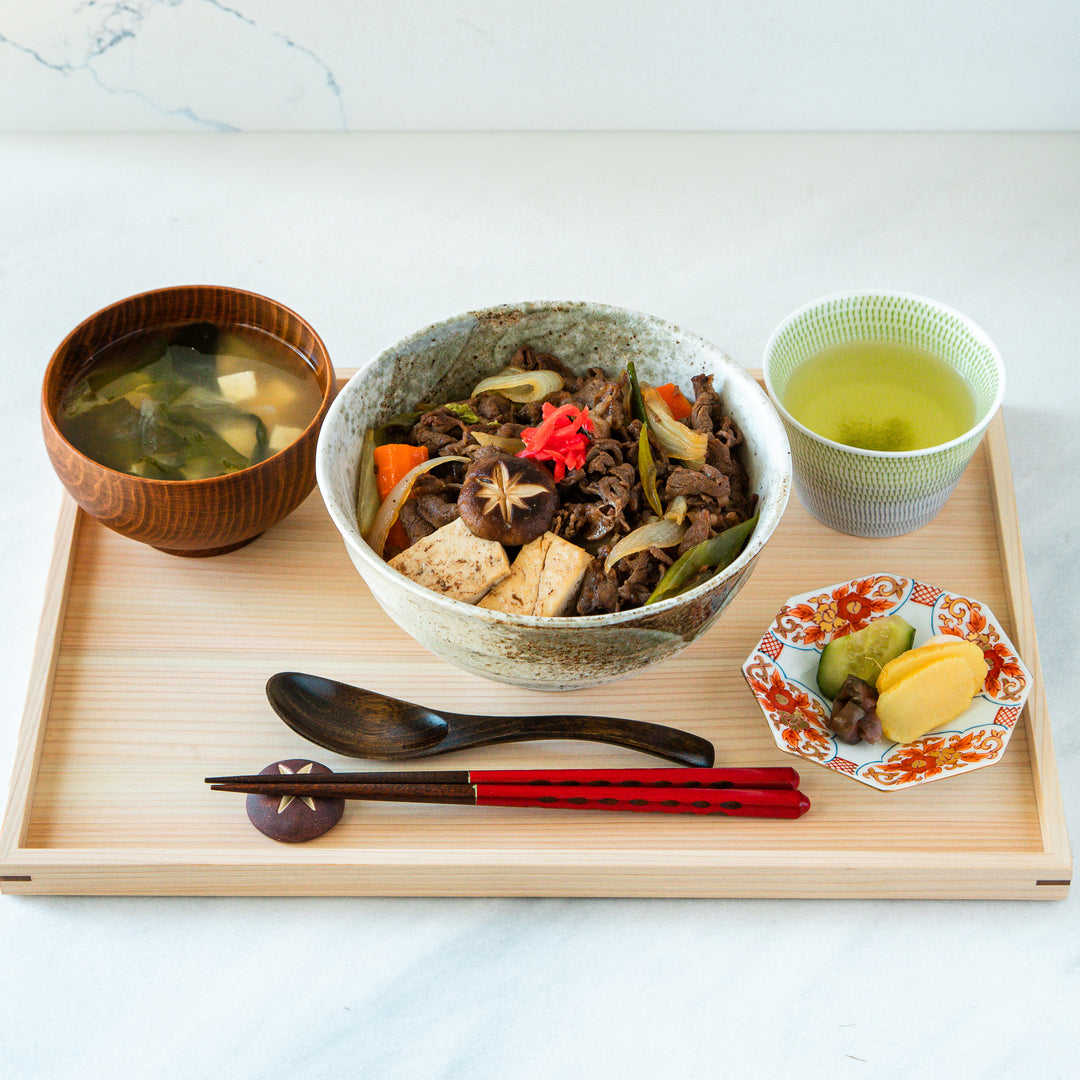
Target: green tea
879, 395
189, 402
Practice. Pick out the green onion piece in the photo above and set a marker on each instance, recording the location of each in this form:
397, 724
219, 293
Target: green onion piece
462, 411
367, 491
637, 403
713, 555
391, 429
647, 471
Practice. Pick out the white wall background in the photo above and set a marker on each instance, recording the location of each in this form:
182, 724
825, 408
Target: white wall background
736, 65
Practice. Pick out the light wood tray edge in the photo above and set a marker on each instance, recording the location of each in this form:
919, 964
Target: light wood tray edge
553, 873
39, 691
1043, 762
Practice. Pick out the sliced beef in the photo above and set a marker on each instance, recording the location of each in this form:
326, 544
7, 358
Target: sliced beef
599, 592
700, 530
414, 524
707, 481
528, 359
441, 431
435, 509
492, 407
604, 499
642, 574
706, 409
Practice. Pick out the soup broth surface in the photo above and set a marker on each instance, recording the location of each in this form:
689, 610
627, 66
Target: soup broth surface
190, 402
880, 395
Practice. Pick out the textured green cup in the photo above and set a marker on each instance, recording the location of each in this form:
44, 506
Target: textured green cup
873, 492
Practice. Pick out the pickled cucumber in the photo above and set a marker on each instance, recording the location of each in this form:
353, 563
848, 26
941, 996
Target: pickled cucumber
863, 653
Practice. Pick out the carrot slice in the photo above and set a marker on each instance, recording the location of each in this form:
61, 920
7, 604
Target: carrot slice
675, 400
392, 462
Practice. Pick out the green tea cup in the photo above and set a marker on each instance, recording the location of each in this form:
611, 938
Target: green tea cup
879, 493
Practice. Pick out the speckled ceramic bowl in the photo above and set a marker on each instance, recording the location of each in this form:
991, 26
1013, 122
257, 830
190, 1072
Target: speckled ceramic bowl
443, 362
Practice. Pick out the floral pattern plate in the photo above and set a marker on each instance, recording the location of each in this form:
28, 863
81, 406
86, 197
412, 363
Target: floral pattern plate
782, 673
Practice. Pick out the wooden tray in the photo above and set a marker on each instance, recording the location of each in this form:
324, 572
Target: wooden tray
151, 669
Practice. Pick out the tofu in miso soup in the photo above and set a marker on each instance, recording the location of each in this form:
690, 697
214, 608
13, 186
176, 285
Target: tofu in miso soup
190, 402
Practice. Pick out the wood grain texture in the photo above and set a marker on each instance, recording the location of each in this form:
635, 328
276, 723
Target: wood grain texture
154, 668
186, 517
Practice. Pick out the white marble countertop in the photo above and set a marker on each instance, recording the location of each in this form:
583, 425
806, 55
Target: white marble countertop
369, 237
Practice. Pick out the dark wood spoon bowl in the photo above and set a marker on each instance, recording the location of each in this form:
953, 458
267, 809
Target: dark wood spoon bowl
362, 723
186, 517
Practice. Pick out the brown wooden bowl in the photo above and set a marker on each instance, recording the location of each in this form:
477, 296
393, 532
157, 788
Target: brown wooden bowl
186, 517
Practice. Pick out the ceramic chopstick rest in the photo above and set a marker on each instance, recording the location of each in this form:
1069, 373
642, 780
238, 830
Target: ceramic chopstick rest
293, 819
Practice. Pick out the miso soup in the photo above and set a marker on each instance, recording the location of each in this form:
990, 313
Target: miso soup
189, 402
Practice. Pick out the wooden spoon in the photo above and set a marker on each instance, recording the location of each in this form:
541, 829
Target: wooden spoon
361, 723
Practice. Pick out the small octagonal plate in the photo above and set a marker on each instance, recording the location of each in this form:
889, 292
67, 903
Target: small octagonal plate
782, 673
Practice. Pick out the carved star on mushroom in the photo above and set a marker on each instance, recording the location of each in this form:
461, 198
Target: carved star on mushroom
505, 492
286, 800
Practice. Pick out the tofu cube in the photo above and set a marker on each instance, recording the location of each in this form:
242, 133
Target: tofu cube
240, 434
544, 579
454, 562
283, 435
238, 387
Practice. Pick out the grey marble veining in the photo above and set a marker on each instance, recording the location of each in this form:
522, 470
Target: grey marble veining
419, 65
175, 64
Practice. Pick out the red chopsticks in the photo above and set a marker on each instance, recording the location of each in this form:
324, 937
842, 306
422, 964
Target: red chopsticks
753, 792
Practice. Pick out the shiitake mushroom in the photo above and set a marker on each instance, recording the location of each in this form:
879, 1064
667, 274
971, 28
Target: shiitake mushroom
509, 499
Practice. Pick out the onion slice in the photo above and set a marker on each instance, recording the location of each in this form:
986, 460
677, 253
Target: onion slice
520, 386
678, 440
388, 512
507, 443
676, 509
660, 532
